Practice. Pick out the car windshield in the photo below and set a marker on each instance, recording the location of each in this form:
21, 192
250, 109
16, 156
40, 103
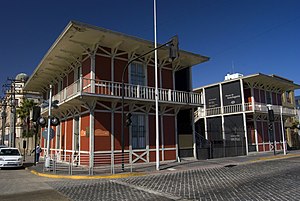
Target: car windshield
9, 152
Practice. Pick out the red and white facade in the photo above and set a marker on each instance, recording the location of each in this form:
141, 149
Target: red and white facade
85, 66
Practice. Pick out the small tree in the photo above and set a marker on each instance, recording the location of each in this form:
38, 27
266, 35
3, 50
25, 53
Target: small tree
23, 113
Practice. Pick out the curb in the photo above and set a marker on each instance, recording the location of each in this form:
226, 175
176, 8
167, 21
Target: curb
78, 177
138, 174
276, 157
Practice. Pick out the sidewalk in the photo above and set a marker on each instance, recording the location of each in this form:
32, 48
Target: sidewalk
149, 168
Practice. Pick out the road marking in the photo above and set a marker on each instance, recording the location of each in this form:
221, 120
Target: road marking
114, 176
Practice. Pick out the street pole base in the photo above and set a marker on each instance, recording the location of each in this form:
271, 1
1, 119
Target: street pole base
47, 162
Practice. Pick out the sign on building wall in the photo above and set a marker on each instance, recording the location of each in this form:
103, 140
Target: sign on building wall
214, 129
212, 97
234, 128
231, 93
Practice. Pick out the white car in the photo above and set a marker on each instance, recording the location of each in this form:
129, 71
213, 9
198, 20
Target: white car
10, 157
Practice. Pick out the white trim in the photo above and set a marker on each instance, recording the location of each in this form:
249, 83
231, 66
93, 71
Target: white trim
222, 119
282, 131
194, 137
222, 111
93, 72
112, 67
112, 140
91, 139
79, 138
65, 136
162, 137
205, 119
256, 132
176, 135
60, 138
244, 116
147, 135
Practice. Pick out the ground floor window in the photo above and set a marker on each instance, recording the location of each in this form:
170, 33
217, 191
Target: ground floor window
138, 131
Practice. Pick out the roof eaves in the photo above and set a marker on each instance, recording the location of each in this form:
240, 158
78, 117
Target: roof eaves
66, 29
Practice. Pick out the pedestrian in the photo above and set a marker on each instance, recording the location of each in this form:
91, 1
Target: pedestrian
38, 151
75, 159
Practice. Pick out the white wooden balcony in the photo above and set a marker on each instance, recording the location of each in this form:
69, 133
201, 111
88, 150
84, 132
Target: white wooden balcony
109, 89
238, 108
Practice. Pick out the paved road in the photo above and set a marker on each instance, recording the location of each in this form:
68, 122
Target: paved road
20, 184
267, 180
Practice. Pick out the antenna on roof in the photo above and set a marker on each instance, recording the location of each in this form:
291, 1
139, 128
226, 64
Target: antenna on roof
232, 66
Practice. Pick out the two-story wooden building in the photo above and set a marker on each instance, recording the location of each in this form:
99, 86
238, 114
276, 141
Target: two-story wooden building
234, 118
85, 66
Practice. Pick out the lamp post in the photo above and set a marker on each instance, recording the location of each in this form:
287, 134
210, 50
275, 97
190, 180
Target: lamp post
173, 54
156, 89
282, 131
47, 162
52, 121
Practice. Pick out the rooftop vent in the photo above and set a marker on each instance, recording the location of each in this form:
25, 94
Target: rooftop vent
233, 76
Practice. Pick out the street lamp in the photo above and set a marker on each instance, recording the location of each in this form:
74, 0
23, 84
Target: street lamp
173, 54
282, 130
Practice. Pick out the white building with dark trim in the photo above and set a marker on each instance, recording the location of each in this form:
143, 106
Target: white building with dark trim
234, 117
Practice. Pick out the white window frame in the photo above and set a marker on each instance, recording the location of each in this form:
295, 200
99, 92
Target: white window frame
144, 70
138, 131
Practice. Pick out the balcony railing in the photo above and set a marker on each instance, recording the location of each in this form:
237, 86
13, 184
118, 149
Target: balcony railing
231, 109
114, 90
261, 107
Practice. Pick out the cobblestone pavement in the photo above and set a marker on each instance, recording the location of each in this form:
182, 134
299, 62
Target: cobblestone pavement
267, 180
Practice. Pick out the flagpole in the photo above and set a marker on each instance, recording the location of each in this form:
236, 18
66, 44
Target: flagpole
156, 90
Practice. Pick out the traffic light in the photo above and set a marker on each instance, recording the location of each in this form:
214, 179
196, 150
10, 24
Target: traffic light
271, 115
24, 144
55, 104
35, 127
41, 121
270, 126
173, 48
128, 119
54, 121
36, 113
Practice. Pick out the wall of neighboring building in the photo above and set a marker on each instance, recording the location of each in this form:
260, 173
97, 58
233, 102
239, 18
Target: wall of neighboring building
226, 132
184, 117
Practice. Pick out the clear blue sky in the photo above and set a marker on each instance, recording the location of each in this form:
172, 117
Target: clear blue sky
251, 35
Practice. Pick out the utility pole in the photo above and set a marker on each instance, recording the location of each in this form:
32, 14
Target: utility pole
12, 135
3, 115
